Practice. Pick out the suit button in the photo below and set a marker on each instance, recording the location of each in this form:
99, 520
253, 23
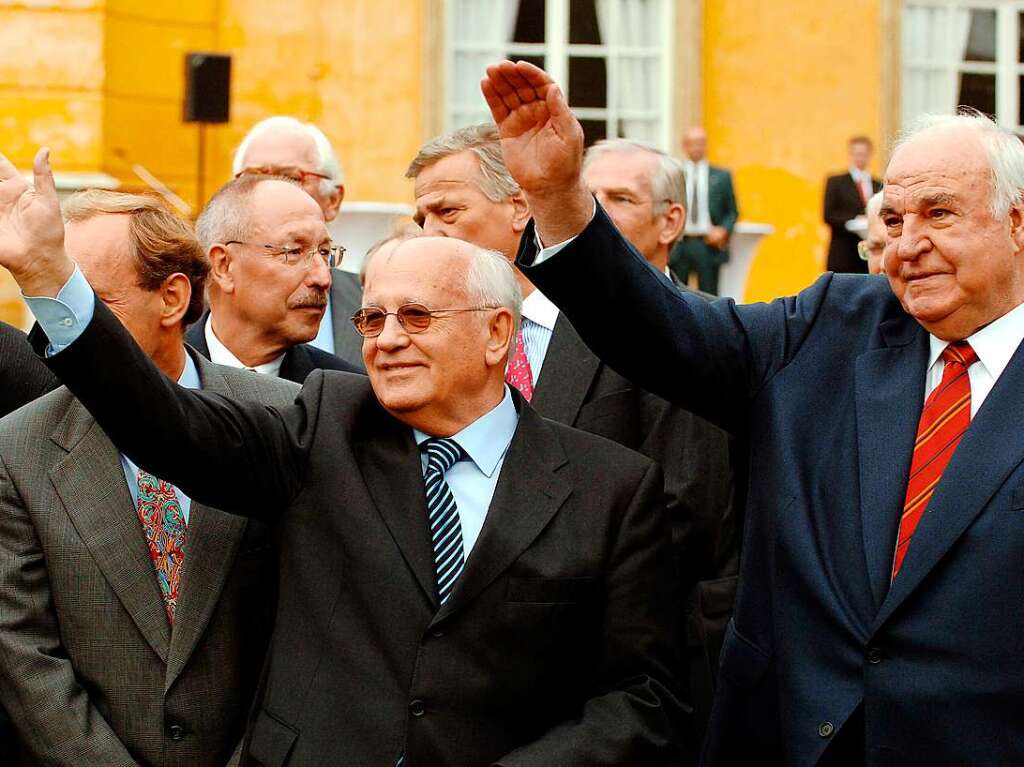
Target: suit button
874, 655
176, 732
417, 708
437, 633
825, 729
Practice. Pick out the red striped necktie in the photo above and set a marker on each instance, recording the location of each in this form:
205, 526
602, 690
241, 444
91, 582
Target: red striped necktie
944, 420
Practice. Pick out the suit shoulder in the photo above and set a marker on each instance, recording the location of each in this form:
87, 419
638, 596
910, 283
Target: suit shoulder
327, 361
38, 417
265, 389
598, 454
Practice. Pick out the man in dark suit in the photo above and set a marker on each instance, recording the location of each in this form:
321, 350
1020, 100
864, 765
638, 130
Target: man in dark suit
711, 215
846, 195
113, 654
23, 377
878, 617
270, 260
462, 582
284, 146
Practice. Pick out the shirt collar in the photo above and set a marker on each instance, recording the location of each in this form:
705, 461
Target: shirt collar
539, 309
220, 354
189, 377
994, 344
486, 440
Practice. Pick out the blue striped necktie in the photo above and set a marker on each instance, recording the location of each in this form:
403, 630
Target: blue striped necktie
443, 514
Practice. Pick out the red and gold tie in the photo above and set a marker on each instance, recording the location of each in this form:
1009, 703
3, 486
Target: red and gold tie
944, 419
163, 522
519, 373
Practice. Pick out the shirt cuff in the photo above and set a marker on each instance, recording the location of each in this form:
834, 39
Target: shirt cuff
543, 254
65, 317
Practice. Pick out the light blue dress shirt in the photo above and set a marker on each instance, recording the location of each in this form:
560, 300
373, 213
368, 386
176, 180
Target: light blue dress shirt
325, 335
473, 479
63, 319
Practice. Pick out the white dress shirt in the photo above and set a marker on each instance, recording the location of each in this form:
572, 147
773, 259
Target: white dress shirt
221, 355
862, 178
539, 317
697, 189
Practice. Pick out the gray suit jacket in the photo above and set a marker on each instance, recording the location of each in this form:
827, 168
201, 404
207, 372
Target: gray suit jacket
346, 300
92, 673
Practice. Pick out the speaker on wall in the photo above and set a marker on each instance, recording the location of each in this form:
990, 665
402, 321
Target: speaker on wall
207, 88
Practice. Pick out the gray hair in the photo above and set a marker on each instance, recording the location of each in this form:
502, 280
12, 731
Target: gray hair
226, 215
1004, 150
668, 182
484, 142
874, 206
491, 281
329, 164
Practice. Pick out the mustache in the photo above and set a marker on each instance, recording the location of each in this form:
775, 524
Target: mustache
314, 299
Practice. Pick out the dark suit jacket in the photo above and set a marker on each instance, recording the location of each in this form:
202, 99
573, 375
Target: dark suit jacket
346, 300
843, 203
299, 361
722, 209
23, 376
92, 672
829, 386
555, 647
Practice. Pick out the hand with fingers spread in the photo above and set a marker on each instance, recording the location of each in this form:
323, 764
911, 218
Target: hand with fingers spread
32, 230
542, 142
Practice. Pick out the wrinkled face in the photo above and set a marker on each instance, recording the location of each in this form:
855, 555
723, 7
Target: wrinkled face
621, 181
285, 302
100, 246
953, 266
444, 366
860, 155
450, 203
875, 244
695, 144
290, 153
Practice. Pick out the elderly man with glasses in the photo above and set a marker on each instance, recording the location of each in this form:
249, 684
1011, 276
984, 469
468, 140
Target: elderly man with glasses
462, 582
872, 248
270, 275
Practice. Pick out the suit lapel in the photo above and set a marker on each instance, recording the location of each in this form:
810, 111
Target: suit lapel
528, 494
91, 485
566, 376
212, 544
889, 384
296, 365
195, 336
989, 451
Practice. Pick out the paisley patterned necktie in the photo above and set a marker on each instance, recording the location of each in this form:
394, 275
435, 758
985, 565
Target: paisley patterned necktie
163, 523
519, 373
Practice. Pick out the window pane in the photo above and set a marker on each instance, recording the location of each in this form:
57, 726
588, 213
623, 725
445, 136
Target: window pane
978, 91
588, 82
537, 61
1020, 37
594, 130
1020, 100
529, 27
981, 42
583, 27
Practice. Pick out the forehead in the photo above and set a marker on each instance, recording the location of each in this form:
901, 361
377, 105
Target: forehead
942, 162
457, 172
99, 245
627, 170
427, 269
277, 207
281, 147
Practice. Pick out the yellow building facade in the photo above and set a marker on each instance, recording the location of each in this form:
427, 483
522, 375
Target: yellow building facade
101, 82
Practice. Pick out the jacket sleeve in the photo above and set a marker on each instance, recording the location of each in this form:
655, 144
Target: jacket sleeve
635, 712
51, 712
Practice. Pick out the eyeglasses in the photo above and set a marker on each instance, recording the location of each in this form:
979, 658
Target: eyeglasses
295, 174
414, 318
865, 250
331, 254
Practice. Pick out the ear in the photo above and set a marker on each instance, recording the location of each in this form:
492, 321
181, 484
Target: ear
499, 337
675, 220
221, 273
1017, 226
175, 294
520, 212
333, 203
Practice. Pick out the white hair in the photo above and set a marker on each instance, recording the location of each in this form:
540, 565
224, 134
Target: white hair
329, 164
668, 182
491, 281
874, 206
1004, 150
483, 140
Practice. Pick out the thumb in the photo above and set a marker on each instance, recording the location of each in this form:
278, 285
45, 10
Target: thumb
43, 176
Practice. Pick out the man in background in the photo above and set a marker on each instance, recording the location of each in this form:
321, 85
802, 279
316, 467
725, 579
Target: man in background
711, 214
846, 195
133, 622
284, 146
23, 376
270, 274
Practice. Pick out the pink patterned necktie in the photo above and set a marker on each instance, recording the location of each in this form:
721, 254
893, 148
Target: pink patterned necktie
163, 522
519, 373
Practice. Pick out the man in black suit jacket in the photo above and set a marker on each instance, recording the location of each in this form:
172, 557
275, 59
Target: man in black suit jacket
878, 617
22, 376
846, 195
526, 621
271, 258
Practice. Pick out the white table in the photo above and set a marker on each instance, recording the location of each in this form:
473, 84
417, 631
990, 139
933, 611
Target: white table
732, 277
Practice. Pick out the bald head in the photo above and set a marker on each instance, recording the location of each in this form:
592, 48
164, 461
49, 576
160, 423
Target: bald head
695, 143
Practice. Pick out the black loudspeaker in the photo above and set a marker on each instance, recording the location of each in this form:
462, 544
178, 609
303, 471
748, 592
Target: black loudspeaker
207, 88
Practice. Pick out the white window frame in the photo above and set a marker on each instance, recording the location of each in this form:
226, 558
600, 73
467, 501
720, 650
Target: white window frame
557, 50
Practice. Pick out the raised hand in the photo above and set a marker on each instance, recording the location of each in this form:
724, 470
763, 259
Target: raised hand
32, 230
542, 142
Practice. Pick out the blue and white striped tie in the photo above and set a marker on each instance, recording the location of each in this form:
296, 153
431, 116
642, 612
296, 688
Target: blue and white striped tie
443, 514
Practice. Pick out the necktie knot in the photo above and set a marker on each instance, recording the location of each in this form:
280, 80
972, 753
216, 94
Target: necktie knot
442, 454
959, 353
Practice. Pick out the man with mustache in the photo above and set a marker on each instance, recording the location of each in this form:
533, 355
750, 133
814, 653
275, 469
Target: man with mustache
270, 256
